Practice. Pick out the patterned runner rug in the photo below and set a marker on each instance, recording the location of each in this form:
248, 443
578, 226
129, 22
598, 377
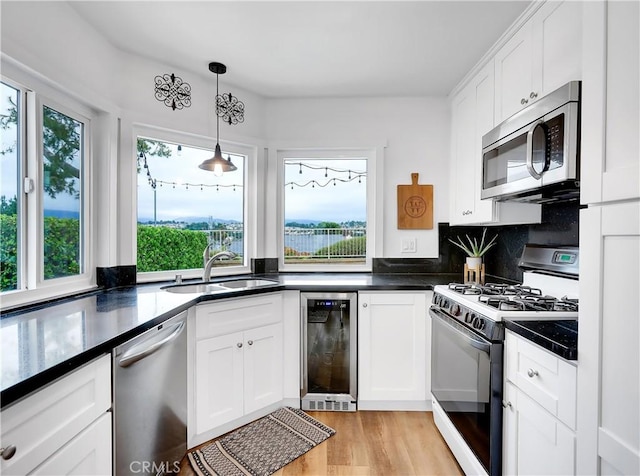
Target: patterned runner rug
262, 447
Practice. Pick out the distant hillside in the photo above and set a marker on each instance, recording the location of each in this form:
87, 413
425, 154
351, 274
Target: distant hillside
61, 214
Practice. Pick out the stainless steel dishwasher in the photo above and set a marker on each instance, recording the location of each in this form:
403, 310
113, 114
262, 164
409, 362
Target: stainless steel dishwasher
150, 400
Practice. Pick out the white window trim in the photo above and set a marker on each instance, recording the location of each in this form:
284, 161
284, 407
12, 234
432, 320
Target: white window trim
34, 287
250, 201
374, 157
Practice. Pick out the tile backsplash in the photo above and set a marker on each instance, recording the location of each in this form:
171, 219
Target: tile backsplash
559, 226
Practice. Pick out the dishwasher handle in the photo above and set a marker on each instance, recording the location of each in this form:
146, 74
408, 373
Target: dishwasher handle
141, 351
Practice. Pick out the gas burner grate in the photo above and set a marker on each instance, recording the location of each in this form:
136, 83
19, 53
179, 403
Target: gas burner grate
466, 288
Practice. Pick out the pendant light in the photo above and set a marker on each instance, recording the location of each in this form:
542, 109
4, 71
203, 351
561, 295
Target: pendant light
217, 164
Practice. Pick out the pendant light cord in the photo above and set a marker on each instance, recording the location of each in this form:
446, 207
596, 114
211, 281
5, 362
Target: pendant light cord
216, 110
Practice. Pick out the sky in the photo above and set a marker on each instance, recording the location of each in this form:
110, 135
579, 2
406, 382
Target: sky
185, 191
175, 200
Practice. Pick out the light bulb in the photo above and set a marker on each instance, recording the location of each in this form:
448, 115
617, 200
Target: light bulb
217, 169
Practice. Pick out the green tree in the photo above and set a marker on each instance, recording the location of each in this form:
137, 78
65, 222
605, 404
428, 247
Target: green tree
8, 207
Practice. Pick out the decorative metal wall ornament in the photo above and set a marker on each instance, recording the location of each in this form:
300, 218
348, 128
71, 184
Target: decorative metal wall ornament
229, 108
173, 91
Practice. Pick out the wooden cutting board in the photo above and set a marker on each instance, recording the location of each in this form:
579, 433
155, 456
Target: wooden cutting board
415, 205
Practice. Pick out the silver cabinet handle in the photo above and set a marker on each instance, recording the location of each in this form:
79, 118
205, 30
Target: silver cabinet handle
364, 304
250, 342
533, 95
239, 344
506, 404
532, 373
524, 101
8, 452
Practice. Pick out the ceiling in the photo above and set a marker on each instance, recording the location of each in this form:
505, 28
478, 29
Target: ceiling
311, 48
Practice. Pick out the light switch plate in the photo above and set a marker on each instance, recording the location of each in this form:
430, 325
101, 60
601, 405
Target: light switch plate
409, 245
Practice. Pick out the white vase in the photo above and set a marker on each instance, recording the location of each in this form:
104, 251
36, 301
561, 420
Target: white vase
474, 262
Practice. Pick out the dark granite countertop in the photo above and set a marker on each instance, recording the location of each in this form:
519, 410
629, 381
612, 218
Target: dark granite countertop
43, 342
559, 337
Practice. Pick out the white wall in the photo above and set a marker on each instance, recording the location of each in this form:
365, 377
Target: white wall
414, 130
50, 40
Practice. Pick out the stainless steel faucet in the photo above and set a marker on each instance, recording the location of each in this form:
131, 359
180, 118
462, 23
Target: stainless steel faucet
209, 264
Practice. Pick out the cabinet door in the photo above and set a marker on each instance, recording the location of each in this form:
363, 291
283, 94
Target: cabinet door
609, 340
509, 429
472, 117
40, 424
543, 445
89, 453
514, 73
465, 157
219, 380
610, 151
557, 40
391, 346
263, 367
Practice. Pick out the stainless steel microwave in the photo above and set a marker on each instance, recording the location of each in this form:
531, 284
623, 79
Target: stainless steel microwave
534, 155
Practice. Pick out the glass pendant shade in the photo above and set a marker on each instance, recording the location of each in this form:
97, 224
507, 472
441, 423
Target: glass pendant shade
218, 164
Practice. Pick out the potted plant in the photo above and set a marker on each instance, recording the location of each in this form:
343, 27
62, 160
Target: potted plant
475, 251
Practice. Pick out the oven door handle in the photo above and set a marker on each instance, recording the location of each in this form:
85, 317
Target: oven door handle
464, 335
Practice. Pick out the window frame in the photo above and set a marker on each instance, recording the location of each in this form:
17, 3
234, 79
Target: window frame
32, 286
373, 156
249, 201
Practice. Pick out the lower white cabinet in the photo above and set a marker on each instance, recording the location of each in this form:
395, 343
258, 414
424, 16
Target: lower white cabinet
237, 365
64, 428
393, 333
539, 415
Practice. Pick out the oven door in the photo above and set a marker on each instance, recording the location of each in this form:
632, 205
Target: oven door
466, 380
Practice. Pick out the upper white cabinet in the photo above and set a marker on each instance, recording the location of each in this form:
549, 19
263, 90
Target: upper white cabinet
610, 152
392, 351
541, 56
472, 117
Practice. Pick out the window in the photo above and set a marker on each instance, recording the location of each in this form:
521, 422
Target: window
328, 210
43, 197
183, 209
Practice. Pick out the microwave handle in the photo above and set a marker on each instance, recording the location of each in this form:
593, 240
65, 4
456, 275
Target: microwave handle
530, 168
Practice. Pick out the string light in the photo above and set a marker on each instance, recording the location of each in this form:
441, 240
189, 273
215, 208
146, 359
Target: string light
334, 180
154, 182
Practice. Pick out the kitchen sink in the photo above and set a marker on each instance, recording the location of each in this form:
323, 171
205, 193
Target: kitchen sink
196, 288
225, 286
248, 283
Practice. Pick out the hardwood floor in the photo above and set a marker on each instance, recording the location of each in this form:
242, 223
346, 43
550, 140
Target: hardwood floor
373, 443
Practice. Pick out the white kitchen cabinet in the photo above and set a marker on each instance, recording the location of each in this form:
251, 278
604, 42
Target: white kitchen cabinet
539, 410
535, 442
472, 117
88, 453
608, 425
63, 423
237, 365
541, 56
393, 332
610, 151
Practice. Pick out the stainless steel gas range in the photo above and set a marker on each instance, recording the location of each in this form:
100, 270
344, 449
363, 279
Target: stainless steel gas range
467, 348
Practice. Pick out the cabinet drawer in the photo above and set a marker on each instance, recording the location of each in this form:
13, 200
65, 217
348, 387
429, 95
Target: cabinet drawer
41, 424
545, 377
234, 315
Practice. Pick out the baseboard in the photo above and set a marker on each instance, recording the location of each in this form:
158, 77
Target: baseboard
395, 405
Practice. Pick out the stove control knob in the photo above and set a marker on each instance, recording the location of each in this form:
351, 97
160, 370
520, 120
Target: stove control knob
481, 324
455, 310
469, 317
477, 322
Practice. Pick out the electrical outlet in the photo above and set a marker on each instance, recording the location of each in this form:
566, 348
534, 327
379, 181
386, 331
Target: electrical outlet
409, 245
